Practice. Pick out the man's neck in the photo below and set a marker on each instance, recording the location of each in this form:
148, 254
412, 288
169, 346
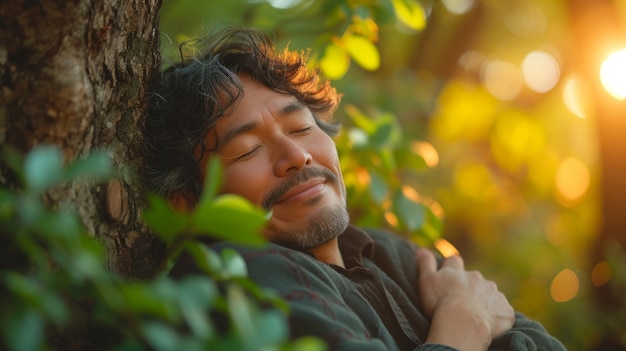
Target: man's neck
329, 253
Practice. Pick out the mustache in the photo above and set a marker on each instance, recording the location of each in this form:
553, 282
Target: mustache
294, 180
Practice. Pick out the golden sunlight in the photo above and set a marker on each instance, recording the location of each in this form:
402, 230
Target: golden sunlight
445, 248
613, 74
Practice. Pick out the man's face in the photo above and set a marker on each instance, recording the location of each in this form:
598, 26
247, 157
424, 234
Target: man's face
276, 156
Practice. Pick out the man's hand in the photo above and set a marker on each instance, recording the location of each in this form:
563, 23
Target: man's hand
466, 310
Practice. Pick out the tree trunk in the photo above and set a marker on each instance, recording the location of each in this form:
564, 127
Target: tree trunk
73, 74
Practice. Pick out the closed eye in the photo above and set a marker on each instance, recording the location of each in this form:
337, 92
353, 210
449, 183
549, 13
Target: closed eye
303, 130
247, 154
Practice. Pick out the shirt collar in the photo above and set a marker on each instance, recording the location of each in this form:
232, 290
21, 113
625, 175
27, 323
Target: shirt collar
355, 244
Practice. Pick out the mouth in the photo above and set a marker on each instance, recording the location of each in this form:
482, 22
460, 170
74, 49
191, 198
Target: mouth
307, 184
303, 191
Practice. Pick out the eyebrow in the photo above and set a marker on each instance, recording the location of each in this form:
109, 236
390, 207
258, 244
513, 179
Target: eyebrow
289, 108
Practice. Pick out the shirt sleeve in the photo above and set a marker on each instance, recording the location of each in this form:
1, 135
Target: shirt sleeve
397, 257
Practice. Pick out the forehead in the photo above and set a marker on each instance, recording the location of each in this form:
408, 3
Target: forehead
257, 103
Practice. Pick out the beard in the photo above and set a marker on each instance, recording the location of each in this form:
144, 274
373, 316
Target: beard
329, 223
326, 224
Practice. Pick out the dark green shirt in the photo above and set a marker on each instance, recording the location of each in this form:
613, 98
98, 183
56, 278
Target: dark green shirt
372, 304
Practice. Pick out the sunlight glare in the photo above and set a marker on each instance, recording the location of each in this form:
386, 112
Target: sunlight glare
613, 74
458, 7
502, 79
541, 71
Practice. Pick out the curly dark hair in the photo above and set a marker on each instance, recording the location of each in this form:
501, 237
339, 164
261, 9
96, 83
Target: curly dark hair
188, 98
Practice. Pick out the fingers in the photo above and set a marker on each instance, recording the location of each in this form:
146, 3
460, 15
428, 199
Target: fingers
454, 261
426, 262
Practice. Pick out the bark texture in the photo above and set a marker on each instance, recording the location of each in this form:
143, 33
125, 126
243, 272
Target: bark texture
73, 73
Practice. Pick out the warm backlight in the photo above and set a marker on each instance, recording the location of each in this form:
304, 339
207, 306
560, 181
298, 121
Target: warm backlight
613, 74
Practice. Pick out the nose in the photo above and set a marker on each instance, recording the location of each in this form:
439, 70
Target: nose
290, 156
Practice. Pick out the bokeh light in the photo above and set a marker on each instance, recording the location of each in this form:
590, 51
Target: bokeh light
458, 7
613, 74
525, 19
427, 151
572, 180
564, 286
601, 273
574, 97
502, 79
284, 4
541, 71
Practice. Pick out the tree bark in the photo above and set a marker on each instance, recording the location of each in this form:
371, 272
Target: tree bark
73, 74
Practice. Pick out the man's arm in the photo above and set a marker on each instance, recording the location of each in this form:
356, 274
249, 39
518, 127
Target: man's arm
466, 310
398, 258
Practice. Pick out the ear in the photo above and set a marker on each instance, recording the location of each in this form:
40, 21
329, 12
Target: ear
182, 201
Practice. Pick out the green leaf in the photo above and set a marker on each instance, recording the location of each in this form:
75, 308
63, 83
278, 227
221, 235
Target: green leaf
382, 135
7, 204
308, 343
14, 160
433, 226
410, 13
378, 187
242, 313
234, 264
213, 179
360, 119
154, 299
335, 62
272, 328
363, 51
163, 220
230, 217
23, 329
408, 159
207, 260
63, 224
411, 213
196, 295
96, 165
161, 336
43, 167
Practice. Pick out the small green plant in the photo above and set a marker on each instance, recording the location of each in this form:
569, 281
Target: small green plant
55, 292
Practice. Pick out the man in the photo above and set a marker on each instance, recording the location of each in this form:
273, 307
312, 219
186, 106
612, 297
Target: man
267, 117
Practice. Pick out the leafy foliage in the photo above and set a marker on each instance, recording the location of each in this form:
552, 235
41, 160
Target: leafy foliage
56, 292
498, 160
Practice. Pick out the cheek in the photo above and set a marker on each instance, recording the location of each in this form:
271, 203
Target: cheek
324, 151
249, 181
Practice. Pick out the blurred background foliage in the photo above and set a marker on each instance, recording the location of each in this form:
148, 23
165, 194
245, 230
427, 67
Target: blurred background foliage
472, 125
